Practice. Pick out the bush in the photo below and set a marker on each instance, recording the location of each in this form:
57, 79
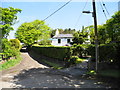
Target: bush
8, 50
73, 60
107, 52
60, 53
77, 50
15, 43
91, 50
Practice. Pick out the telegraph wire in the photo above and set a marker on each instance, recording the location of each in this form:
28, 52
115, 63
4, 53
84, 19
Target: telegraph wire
105, 7
103, 10
57, 10
80, 14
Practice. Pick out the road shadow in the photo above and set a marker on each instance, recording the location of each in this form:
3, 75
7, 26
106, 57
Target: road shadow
50, 78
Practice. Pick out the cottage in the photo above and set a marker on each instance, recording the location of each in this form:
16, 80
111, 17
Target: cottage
61, 39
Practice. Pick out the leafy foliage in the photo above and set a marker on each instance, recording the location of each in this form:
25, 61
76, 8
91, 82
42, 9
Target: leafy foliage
77, 50
109, 32
107, 52
65, 31
90, 32
73, 60
45, 42
29, 33
113, 27
80, 37
8, 18
8, 50
15, 43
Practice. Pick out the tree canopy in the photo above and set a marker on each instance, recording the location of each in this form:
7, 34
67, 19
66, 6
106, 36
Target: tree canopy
109, 32
8, 17
63, 31
112, 27
29, 33
80, 37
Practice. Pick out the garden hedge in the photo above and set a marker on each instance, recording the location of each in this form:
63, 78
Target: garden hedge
59, 53
107, 52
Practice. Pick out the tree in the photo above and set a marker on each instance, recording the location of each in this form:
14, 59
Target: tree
90, 30
8, 18
53, 32
63, 31
113, 27
69, 31
29, 33
80, 37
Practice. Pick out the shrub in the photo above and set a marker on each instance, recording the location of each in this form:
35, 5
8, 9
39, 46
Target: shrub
77, 50
107, 52
73, 60
79, 60
91, 50
15, 43
8, 50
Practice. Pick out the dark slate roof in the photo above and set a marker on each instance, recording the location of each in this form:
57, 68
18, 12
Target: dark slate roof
63, 36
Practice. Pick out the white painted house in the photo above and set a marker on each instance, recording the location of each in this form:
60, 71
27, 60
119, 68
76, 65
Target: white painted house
61, 39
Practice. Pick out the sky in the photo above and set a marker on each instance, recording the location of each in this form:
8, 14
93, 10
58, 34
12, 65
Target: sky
70, 16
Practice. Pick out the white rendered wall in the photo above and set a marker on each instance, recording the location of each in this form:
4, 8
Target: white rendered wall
63, 42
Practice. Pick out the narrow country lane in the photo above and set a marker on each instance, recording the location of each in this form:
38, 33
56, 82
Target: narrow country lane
31, 74
26, 64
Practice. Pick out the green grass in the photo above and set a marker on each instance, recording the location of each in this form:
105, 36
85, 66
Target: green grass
79, 60
91, 72
110, 73
10, 63
54, 65
0, 56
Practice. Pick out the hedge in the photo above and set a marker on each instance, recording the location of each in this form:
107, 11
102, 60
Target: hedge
107, 52
59, 53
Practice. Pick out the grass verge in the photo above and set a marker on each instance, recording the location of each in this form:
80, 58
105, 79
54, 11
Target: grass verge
54, 65
79, 60
10, 63
110, 73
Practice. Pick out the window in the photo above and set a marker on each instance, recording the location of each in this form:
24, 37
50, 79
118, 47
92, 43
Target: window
68, 40
59, 40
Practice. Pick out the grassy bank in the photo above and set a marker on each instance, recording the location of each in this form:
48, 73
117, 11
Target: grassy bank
110, 73
53, 65
10, 63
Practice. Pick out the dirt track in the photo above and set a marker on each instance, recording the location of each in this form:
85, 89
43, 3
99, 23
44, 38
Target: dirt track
31, 74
